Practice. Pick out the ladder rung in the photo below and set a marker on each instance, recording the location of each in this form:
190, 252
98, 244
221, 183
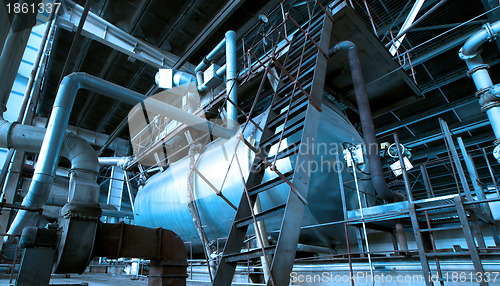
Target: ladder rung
289, 130
269, 184
262, 216
248, 255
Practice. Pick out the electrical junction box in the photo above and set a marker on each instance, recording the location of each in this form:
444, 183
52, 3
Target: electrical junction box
210, 77
164, 78
396, 166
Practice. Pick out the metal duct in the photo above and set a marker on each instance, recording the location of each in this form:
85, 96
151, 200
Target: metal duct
365, 114
54, 139
489, 94
121, 162
82, 156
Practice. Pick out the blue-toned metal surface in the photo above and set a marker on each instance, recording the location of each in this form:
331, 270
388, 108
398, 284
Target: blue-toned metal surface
162, 201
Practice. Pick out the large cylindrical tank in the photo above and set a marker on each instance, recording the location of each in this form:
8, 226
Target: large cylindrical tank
162, 202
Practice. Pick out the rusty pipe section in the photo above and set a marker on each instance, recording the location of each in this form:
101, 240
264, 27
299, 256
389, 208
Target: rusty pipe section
163, 247
365, 114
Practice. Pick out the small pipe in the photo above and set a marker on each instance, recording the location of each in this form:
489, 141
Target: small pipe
374, 162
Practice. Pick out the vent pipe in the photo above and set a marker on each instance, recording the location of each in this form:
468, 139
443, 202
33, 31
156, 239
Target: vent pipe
365, 114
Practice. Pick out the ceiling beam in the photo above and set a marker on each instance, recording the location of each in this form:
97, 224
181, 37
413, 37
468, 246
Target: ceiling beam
426, 115
224, 13
108, 34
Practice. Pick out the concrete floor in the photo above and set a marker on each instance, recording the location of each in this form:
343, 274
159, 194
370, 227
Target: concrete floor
92, 279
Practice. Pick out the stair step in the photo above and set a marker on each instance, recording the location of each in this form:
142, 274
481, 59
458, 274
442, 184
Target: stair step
288, 151
294, 111
289, 130
262, 216
440, 228
285, 101
248, 255
269, 184
447, 254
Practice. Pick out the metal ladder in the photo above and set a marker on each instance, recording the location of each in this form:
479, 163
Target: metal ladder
296, 106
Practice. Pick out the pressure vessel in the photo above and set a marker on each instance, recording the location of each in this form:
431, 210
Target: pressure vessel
162, 201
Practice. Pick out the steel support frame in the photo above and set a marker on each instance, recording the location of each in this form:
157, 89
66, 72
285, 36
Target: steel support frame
476, 260
108, 34
420, 245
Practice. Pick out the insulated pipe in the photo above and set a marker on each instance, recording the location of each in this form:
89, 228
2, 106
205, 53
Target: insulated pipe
30, 138
365, 114
204, 64
231, 81
231, 75
489, 94
121, 162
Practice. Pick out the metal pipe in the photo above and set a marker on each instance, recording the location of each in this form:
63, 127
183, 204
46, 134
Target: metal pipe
54, 138
231, 75
489, 94
231, 81
374, 162
121, 162
204, 64
30, 138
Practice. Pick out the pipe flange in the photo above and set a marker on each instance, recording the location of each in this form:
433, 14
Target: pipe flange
476, 68
496, 152
489, 105
491, 36
80, 211
467, 57
496, 142
482, 91
80, 170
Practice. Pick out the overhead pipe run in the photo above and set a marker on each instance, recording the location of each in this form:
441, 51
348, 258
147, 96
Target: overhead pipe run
121, 162
365, 114
488, 94
168, 78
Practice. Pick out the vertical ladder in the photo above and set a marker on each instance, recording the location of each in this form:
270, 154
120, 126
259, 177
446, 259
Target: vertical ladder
295, 107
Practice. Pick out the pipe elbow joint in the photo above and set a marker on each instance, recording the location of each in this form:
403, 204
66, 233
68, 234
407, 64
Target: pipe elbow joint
342, 46
5, 130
